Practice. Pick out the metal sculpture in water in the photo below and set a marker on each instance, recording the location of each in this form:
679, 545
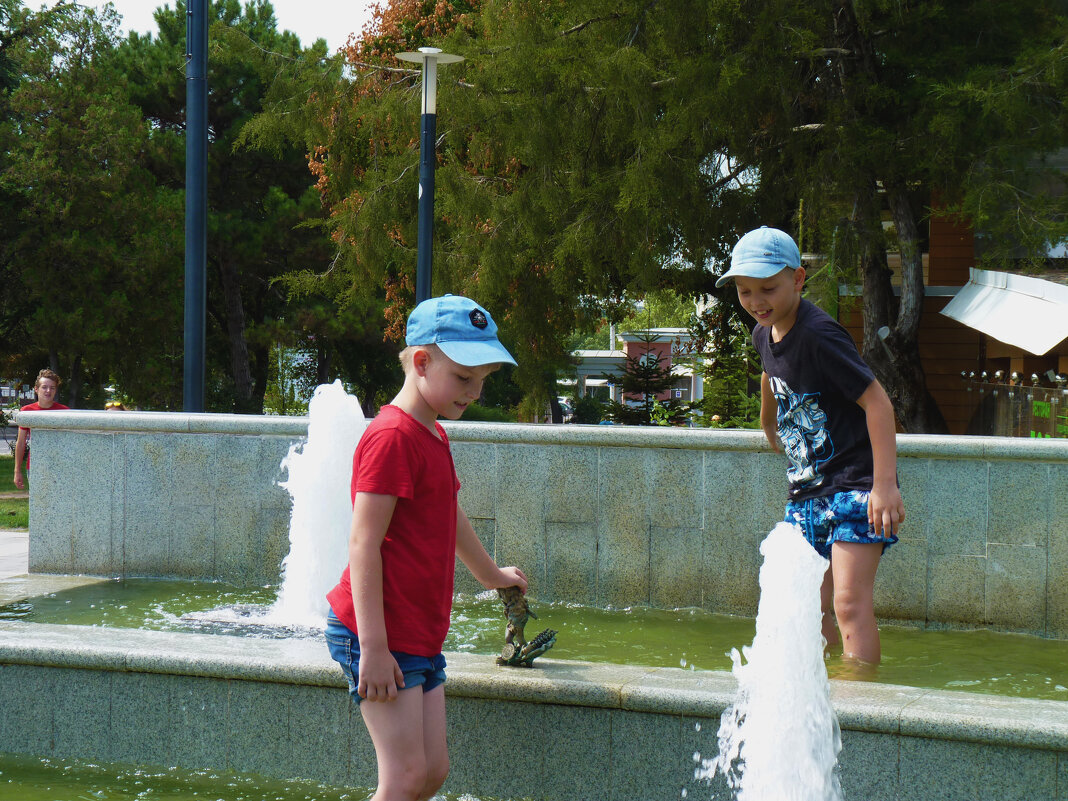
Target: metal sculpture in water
517, 652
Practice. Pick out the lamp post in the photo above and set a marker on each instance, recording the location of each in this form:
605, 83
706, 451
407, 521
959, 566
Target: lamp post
196, 202
429, 57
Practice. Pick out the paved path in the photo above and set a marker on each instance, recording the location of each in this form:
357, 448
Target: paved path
14, 552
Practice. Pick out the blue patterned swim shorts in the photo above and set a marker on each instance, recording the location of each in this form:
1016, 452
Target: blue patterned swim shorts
842, 517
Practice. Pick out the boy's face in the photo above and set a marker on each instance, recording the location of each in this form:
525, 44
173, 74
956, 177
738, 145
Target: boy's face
772, 301
46, 392
447, 387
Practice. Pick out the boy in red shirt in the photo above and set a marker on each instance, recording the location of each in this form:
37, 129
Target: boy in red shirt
390, 611
46, 386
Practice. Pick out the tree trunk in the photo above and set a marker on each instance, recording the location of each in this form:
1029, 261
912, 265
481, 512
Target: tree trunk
322, 362
891, 342
915, 407
235, 331
74, 382
260, 374
891, 328
556, 414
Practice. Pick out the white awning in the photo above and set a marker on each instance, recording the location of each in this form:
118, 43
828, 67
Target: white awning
1027, 312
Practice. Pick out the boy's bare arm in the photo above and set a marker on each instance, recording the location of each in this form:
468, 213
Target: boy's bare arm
473, 554
769, 413
886, 510
20, 457
380, 676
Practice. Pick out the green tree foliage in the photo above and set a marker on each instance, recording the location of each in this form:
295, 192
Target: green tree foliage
660, 308
863, 111
590, 150
88, 244
263, 206
730, 367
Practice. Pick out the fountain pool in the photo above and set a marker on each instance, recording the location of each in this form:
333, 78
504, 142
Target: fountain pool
603, 518
1006, 664
36, 779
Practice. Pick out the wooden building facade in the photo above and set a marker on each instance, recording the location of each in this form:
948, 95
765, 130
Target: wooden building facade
949, 349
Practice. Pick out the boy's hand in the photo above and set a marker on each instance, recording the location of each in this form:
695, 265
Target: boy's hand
380, 675
773, 438
511, 577
886, 511
19, 482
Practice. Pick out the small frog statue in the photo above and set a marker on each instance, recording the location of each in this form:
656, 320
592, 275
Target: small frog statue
517, 652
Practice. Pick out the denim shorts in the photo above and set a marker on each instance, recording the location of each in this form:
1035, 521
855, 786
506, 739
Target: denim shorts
842, 517
425, 671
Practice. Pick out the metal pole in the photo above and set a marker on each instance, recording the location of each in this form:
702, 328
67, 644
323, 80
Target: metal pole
429, 57
425, 240
196, 202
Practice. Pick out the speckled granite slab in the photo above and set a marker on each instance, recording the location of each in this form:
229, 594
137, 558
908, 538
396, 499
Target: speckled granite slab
563, 730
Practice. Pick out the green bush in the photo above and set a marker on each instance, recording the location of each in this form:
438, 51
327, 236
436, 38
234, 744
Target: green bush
488, 414
587, 410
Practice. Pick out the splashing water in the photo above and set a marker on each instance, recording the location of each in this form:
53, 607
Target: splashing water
319, 479
780, 740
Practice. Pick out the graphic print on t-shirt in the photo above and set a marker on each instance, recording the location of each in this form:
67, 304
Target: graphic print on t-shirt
804, 435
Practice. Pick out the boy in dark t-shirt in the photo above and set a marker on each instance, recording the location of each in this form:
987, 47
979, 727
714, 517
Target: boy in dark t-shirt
821, 403
390, 610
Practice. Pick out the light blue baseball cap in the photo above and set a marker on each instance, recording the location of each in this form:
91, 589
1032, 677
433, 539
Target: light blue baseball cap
761, 254
463, 330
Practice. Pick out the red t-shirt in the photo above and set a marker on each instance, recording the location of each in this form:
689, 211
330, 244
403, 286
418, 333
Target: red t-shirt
36, 407
398, 456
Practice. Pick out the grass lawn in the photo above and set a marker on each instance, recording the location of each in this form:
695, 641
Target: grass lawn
13, 513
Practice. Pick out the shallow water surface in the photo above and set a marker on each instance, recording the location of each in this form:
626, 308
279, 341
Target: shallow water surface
40, 779
977, 661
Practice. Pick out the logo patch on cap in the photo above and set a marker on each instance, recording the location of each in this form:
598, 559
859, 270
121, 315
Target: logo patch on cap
478, 319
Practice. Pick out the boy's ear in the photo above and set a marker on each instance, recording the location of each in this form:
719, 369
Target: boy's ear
420, 360
799, 278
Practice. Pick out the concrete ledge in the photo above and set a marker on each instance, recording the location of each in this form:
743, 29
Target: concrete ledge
165, 422
861, 706
934, 446
563, 731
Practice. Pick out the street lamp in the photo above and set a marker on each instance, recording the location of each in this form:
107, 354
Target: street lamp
429, 57
196, 203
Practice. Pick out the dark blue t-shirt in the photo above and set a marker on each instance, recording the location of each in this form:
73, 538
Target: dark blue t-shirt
817, 375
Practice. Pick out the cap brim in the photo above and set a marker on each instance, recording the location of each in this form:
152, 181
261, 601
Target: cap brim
751, 270
475, 354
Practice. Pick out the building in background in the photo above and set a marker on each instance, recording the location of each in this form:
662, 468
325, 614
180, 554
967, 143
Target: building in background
595, 369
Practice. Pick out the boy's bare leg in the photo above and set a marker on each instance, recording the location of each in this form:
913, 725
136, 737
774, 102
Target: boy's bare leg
829, 629
854, 565
407, 773
434, 744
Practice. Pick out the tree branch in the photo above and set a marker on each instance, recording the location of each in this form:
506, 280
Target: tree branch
383, 68
587, 23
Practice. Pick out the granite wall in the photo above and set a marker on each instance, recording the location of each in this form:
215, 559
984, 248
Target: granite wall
564, 731
603, 515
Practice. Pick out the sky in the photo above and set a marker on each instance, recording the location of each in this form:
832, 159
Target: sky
332, 20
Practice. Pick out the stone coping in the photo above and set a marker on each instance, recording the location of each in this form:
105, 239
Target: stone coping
861, 706
934, 446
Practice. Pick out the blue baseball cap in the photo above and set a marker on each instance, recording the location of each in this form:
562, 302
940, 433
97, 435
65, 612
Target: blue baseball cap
463, 330
761, 254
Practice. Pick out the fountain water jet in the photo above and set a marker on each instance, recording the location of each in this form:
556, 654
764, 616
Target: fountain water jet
779, 740
319, 481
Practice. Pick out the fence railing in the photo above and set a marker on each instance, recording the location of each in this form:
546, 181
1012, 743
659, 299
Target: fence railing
1035, 406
